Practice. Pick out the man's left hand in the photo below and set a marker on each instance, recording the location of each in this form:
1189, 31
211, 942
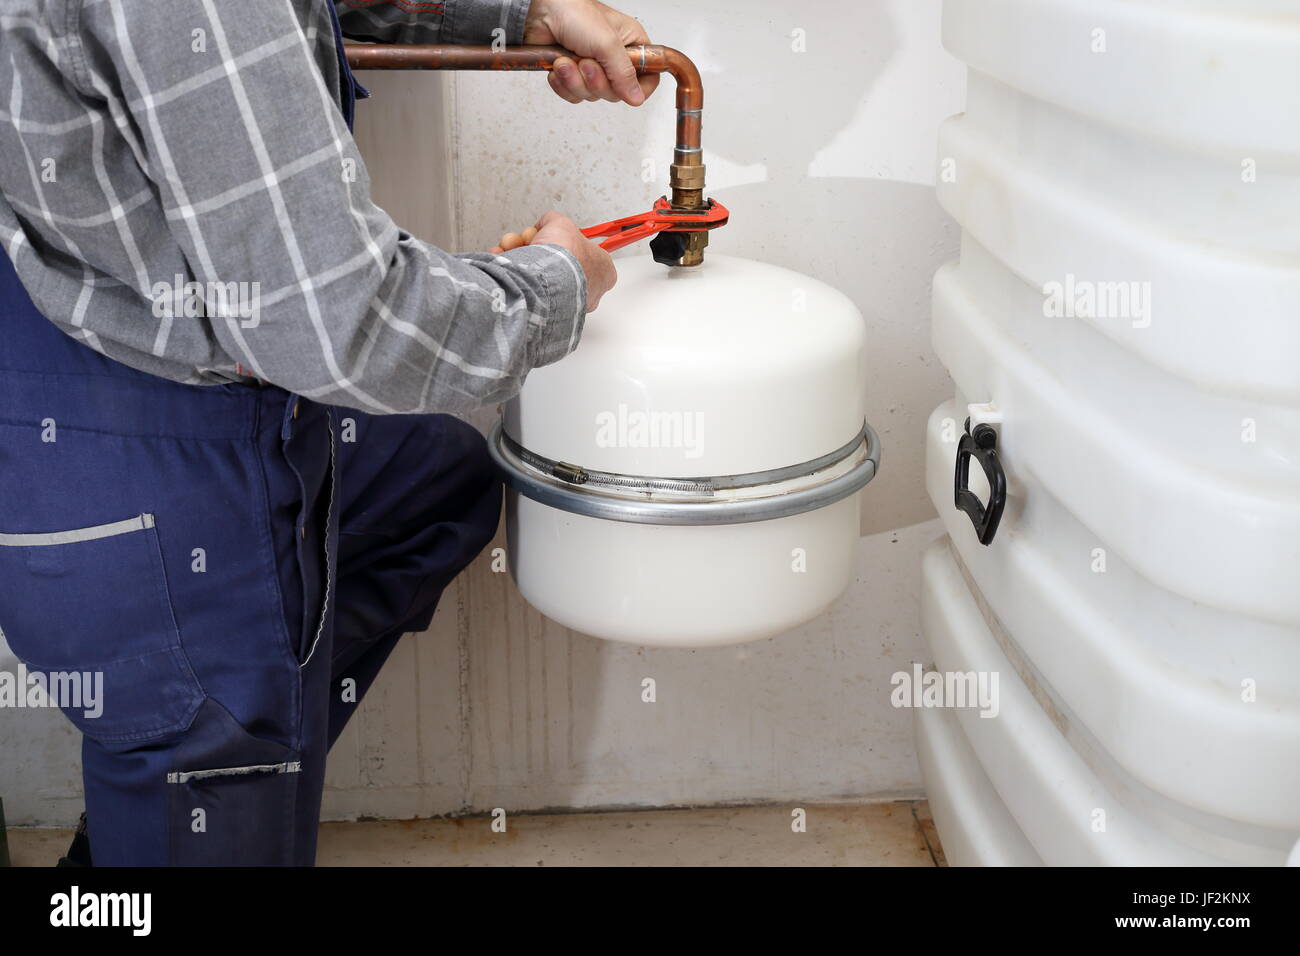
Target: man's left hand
599, 35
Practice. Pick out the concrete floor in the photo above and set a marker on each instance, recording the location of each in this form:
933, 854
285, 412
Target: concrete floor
879, 834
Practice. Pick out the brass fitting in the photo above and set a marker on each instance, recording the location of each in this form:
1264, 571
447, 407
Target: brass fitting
686, 179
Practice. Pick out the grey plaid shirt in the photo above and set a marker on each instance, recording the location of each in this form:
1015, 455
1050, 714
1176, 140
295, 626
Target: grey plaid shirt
179, 191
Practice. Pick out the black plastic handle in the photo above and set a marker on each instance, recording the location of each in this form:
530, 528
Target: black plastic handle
982, 445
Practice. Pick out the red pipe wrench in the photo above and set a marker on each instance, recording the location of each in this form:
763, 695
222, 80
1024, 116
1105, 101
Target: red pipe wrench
662, 218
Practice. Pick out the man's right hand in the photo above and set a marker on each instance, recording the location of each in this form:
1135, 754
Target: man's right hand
559, 230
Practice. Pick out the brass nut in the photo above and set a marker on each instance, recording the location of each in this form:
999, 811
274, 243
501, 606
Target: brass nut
686, 177
694, 254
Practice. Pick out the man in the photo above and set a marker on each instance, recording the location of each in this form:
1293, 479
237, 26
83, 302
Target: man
227, 487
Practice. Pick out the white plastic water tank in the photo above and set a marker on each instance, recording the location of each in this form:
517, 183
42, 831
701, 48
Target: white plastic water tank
689, 475
1127, 178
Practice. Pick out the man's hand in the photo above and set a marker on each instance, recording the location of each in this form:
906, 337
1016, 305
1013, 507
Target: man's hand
598, 34
560, 230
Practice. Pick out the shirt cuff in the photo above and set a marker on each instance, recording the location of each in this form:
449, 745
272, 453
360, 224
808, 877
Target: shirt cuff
557, 322
473, 21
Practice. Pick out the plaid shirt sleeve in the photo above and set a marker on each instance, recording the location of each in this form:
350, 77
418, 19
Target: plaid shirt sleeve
448, 21
219, 153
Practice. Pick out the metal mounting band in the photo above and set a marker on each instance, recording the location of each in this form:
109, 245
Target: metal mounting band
531, 482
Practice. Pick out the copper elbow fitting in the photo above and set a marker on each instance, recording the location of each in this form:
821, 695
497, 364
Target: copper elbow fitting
685, 175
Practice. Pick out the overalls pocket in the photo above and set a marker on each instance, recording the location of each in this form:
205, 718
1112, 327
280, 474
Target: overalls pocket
231, 795
233, 816
89, 611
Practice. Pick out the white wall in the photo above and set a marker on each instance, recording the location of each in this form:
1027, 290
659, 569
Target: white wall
826, 159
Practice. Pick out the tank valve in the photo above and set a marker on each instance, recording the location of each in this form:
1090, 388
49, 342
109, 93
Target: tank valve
669, 247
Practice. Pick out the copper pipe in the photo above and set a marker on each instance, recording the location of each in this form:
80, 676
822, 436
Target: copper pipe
686, 175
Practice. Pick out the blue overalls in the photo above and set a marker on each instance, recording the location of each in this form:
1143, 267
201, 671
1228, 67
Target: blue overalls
235, 561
